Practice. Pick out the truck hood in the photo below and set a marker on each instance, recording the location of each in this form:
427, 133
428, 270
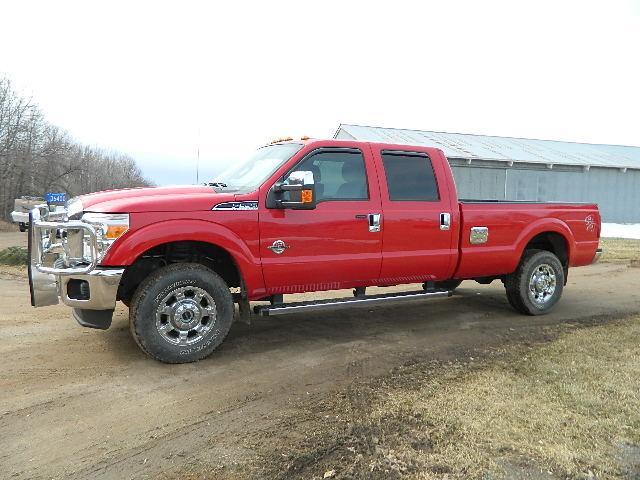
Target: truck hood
155, 199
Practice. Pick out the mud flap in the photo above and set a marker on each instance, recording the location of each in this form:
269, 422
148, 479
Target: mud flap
244, 309
100, 319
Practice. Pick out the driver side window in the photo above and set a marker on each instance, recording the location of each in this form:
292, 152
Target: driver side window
339, 175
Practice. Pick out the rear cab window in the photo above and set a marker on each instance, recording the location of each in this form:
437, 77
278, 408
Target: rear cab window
410, 176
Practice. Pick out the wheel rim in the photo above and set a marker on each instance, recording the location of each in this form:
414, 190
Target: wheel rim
185, 315
542, 285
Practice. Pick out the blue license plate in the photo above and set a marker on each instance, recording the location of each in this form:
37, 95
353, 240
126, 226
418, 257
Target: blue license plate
55, 198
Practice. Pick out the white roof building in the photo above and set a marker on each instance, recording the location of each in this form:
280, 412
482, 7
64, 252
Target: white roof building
504, 168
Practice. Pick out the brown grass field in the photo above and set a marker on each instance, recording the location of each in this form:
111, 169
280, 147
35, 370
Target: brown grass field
620, 250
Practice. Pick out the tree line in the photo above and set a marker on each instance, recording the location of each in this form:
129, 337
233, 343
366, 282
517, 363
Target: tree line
37, 157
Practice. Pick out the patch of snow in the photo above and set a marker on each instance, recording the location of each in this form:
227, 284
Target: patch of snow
621, 230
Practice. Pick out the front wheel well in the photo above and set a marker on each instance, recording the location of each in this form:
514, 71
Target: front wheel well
212, 256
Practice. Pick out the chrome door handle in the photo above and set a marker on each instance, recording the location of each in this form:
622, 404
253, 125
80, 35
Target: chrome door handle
445, 221
374, 222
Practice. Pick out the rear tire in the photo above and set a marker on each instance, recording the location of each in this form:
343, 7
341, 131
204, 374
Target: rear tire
181, 313
537, 285
22, 227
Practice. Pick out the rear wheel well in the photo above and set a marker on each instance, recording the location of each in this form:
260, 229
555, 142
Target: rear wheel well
551, 242
207, 254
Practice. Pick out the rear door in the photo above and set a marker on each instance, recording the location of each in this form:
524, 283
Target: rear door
419, 218
332, 246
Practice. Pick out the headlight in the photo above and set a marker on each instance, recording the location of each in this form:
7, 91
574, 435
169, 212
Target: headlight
109, 227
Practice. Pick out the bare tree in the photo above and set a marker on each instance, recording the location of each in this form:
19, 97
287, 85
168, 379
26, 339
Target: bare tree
36, 157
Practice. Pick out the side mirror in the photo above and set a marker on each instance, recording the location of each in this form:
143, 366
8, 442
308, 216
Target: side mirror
301, 192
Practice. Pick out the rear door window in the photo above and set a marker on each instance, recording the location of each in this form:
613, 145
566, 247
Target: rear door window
410, 177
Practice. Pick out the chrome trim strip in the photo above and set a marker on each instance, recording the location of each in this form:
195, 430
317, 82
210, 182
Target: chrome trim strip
387, 299
244, 205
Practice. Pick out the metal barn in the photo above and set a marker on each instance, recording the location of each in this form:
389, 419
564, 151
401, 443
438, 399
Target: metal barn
501, 168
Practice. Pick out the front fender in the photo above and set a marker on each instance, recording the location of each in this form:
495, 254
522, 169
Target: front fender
127, 249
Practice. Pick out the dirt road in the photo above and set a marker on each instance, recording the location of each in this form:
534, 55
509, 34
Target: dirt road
80, 403
13, 239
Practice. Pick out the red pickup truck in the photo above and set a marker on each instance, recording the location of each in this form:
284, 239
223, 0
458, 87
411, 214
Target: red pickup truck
299, 216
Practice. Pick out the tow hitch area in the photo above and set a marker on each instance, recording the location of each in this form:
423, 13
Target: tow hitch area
357, 301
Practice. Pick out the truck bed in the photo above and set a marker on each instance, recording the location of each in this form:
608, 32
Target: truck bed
511, 224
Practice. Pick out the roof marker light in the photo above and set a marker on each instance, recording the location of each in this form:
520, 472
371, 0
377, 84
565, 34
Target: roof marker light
281, 139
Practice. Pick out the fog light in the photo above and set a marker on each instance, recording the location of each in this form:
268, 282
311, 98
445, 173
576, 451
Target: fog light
78, 289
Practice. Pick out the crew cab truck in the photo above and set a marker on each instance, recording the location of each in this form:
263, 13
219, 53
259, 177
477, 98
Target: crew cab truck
299, 216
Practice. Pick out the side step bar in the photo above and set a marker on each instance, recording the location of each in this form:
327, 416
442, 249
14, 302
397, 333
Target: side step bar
336, 303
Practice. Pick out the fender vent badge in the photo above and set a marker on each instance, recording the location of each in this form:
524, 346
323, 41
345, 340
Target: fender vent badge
246, 205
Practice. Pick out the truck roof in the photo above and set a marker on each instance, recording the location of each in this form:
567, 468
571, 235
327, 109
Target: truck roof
351, 143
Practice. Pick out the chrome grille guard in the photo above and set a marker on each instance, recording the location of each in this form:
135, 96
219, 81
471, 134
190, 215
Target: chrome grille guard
57, 245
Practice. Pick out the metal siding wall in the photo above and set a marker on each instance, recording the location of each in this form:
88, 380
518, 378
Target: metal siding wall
630, 209
480, 183
611, 189
342, 135
545, 185
617, 193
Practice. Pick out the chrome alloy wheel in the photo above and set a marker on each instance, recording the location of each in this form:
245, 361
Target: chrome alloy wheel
185, 315
542, 284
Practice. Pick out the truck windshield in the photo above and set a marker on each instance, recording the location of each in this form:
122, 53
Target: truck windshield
248, 175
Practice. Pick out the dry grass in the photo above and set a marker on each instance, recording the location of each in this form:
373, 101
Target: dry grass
13, 271
8, 227
620, 250
565, 409
568, 408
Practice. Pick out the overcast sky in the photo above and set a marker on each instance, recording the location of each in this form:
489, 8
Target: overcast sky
157, 79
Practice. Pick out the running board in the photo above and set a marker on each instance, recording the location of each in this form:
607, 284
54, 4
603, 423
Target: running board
336, 303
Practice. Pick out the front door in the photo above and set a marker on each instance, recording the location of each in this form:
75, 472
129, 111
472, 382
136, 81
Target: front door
332, 246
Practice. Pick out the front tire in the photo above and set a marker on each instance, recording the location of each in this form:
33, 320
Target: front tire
181, 313
536, 286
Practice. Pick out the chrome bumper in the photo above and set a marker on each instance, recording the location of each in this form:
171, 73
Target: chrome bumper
597, 256
55, 276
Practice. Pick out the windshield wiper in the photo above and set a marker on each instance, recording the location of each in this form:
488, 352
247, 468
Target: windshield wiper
217, 184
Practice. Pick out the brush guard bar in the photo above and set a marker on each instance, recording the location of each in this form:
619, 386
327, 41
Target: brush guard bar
61, 247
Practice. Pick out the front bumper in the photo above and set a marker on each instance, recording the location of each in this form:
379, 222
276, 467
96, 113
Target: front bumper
84, 286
